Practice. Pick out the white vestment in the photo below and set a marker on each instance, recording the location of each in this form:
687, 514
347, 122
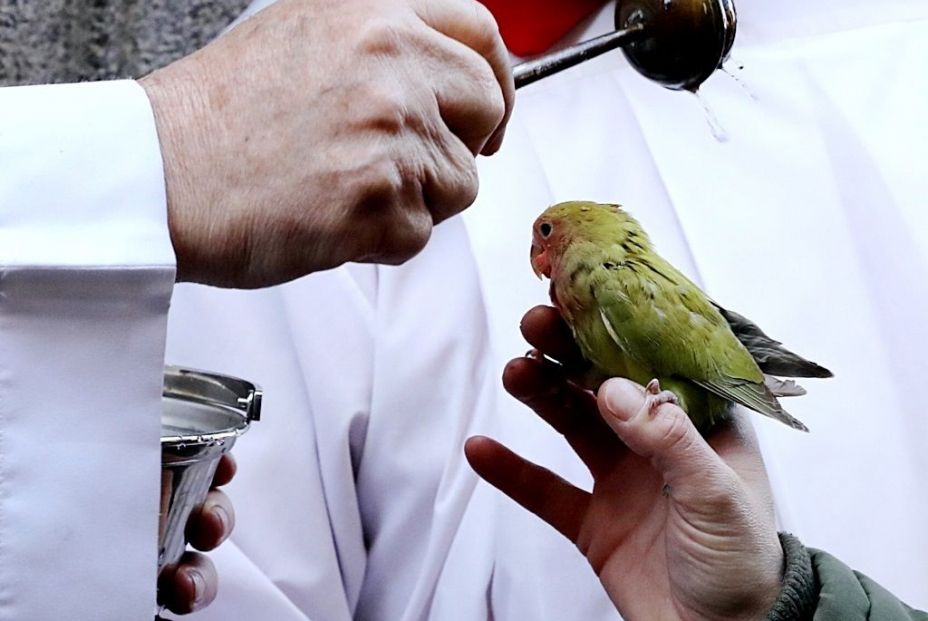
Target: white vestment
806, 220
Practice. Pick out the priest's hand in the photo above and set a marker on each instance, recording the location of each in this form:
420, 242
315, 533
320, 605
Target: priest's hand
319, 132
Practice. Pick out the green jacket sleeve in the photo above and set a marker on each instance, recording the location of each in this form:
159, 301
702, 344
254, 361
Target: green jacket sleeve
819, 587
847, 595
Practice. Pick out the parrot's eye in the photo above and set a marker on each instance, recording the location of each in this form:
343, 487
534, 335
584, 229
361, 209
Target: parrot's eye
545, 229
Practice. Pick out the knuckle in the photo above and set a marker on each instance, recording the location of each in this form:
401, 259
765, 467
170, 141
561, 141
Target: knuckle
485, 23
461, 187
480, 99
469, 184
405, 240
495, 106
383, 36
385, 108
382, 183
397, 226
415, 236
486, 83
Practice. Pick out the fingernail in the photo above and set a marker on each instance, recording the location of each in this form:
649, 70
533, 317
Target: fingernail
616, 399
198, 582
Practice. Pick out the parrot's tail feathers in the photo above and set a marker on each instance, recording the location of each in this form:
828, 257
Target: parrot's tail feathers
788, 419
783, 388
755, 396
771, 356
784, 362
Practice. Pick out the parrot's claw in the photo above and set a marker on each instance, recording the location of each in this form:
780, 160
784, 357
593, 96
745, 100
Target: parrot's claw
534, 354
657, 397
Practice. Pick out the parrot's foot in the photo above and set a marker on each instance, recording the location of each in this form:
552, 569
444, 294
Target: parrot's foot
657, 397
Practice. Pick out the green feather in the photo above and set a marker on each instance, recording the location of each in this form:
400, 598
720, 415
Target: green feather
635, 315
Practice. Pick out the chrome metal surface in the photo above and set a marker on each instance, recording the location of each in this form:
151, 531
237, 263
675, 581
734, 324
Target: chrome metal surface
686, 41
676, 43
203, 414
533, 70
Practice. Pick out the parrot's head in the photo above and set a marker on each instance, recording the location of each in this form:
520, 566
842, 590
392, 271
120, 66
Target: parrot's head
564, 224
542, 244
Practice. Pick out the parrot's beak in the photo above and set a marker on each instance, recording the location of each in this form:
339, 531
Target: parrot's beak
539, 261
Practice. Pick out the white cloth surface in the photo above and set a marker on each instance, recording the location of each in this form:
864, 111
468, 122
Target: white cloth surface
86, 271
353, 499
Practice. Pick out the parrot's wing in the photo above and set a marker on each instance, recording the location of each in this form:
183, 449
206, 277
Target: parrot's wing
664, 321
754, 396
771, 356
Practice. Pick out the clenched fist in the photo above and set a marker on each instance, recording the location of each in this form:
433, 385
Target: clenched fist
320, 132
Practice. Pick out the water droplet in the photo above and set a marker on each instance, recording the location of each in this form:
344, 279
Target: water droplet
747, 89
717, 130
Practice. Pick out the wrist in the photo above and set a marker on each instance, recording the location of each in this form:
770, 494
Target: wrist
764, 586
751, 591
766, 593
179, 119
798, 596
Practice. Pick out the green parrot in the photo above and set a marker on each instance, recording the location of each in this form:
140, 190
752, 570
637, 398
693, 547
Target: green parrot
634, 315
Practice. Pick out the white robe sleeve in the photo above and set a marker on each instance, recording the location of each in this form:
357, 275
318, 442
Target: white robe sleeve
86, 273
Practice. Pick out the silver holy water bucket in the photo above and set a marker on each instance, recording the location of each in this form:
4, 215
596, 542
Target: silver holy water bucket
202, 416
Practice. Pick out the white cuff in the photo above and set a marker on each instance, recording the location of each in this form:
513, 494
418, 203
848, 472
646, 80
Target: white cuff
86, 274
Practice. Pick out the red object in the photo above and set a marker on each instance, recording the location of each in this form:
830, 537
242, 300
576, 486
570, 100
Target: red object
530, 27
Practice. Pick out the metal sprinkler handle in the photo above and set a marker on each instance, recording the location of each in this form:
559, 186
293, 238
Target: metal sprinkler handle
676, 43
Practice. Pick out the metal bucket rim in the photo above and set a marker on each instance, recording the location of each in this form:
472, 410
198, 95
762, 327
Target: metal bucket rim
208, 438
221, 392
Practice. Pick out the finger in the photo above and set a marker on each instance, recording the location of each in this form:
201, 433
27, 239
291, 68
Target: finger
190, 586
542, 492
665, 436
211, 523
544, 328
570, 410
469, 98
404, 226
225, 471
451, 182
472, 24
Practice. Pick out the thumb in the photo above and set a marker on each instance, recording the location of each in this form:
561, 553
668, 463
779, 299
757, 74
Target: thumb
665, 435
